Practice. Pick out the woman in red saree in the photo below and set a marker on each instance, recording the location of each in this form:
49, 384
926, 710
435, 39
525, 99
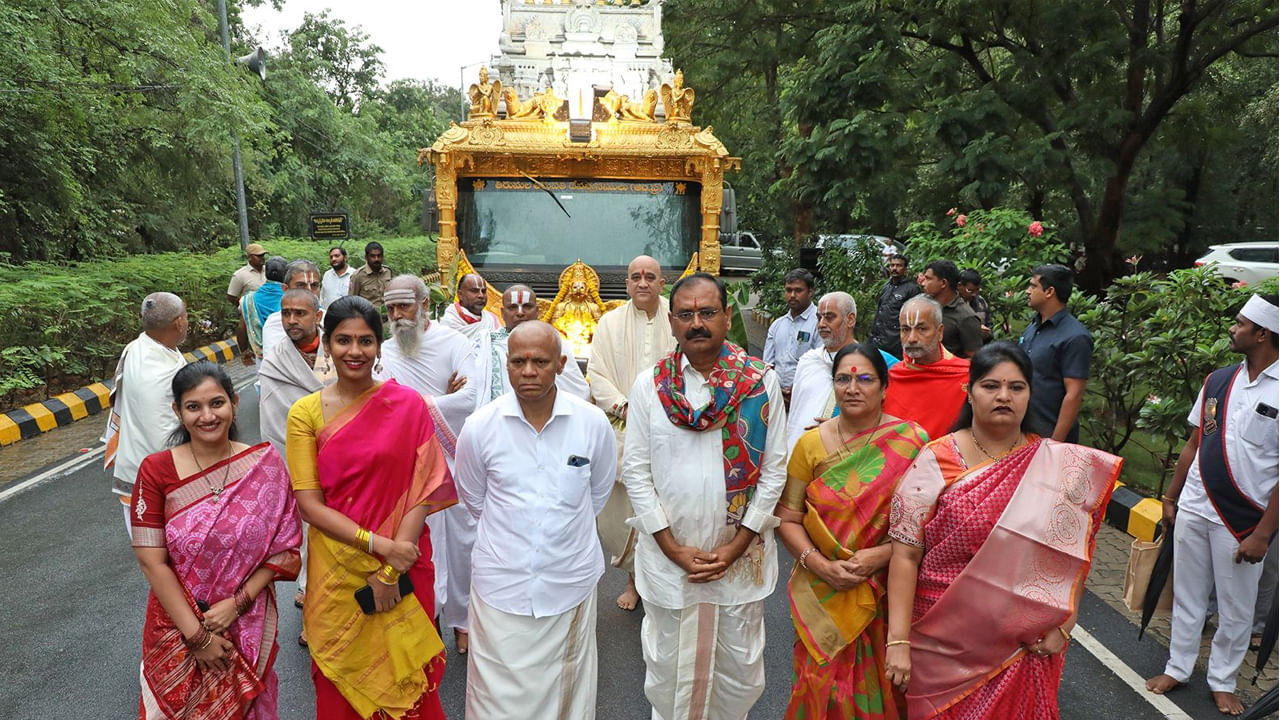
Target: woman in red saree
993, 531
835, 515
367, 469
214, 525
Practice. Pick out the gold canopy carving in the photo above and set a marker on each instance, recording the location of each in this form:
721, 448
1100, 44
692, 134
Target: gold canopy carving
627, 143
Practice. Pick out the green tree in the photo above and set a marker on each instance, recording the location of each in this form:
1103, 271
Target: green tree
1050, 105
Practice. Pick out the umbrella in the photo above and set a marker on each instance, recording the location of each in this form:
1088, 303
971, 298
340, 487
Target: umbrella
1266, 705
1268, 642
1159, 578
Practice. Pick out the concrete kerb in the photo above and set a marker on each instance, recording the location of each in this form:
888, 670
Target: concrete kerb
36, 418
1137, 515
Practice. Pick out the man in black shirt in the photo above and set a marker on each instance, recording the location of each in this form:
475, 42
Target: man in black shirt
970, 288
899, 289
962, 330
1060, 349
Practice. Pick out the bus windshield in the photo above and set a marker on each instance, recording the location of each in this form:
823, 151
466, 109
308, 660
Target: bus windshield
516, 223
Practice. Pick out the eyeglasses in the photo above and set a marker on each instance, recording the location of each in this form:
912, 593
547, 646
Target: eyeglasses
705, 314
863, 379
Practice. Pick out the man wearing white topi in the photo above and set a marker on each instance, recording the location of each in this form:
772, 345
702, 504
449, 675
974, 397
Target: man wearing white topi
704, 466
535, 496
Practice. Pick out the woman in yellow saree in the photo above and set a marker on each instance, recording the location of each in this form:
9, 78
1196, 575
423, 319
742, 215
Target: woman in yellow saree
835, 520
367, 468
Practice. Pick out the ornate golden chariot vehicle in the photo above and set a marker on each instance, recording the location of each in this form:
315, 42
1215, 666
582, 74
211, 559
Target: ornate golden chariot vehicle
560, 194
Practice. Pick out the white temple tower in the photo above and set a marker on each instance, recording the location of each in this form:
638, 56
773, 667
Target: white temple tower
566, 44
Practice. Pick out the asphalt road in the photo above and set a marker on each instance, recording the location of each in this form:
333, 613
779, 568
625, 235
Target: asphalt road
71, 610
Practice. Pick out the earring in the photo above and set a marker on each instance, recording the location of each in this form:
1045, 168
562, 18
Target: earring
377, 366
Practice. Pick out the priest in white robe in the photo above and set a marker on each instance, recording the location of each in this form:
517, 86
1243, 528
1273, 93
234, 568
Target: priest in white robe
142, 415
706, 557
434, 360
812, 392
468, 315
535, 494
519, 304
628, 340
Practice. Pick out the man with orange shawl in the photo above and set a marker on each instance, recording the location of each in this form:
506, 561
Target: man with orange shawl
928, 386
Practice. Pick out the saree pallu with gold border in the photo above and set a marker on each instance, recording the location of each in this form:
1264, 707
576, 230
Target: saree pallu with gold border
376, 460
215, 542
839, 652
1007, 545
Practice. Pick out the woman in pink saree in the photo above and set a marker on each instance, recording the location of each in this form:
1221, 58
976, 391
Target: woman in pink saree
993, 531
214, 526
367, 468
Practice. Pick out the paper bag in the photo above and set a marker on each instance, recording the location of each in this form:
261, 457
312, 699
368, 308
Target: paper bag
1142, 558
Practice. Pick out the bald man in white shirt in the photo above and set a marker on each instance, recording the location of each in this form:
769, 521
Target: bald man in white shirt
535, 496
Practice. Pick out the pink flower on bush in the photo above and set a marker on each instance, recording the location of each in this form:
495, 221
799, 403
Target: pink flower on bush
1035, 229
951, 212
961, 220
1238, 284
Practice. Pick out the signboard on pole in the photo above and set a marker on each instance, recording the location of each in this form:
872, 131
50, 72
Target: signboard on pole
329, 226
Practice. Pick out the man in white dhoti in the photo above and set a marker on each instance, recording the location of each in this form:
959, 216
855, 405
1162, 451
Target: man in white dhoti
1223, 497
812, 394
628, 340
519, 304
535, 495
432, 359
703, 497
142, 414
468, 315
290, 370
300, 275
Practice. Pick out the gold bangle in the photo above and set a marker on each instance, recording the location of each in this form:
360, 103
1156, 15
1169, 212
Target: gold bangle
891, 643
1065, 635
388, 575
362, 536
804, 555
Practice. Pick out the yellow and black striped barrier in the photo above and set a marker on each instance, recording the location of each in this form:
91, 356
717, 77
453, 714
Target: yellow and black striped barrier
1135, 514
36, 418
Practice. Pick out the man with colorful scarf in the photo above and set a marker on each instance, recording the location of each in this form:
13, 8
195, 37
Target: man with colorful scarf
929, 385
704, 467
1223, 496
468, 315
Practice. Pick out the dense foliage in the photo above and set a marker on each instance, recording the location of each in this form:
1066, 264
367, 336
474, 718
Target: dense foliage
116, 119
1133, 127
65, 324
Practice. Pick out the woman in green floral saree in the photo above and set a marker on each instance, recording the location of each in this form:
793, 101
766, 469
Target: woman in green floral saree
835, 520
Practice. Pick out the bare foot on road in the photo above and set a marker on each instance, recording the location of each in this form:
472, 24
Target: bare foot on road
629, 598
462, 640
1228, 703
1162, 684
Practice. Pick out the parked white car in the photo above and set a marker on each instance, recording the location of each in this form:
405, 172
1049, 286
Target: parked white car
886, 246
1248, 262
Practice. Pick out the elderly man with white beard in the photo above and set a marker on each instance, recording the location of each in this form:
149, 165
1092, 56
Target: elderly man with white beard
432, 359
812, 394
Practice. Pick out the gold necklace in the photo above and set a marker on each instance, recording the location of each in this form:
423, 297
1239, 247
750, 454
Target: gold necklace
974, 435
845, 442
226, 472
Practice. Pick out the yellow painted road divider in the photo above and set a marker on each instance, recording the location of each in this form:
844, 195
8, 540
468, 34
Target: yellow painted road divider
64, 409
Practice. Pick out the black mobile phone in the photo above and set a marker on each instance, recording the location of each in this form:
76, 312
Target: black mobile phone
1266, 410
364, 596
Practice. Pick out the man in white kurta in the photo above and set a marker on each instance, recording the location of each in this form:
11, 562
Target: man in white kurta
812, 392
433, 359
706, 557
142, 415
519, 305
468, 315
628, 340
1221, 506
535, 496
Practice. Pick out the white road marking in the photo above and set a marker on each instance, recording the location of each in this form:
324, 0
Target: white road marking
1166, 707
65, 468
81, 460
